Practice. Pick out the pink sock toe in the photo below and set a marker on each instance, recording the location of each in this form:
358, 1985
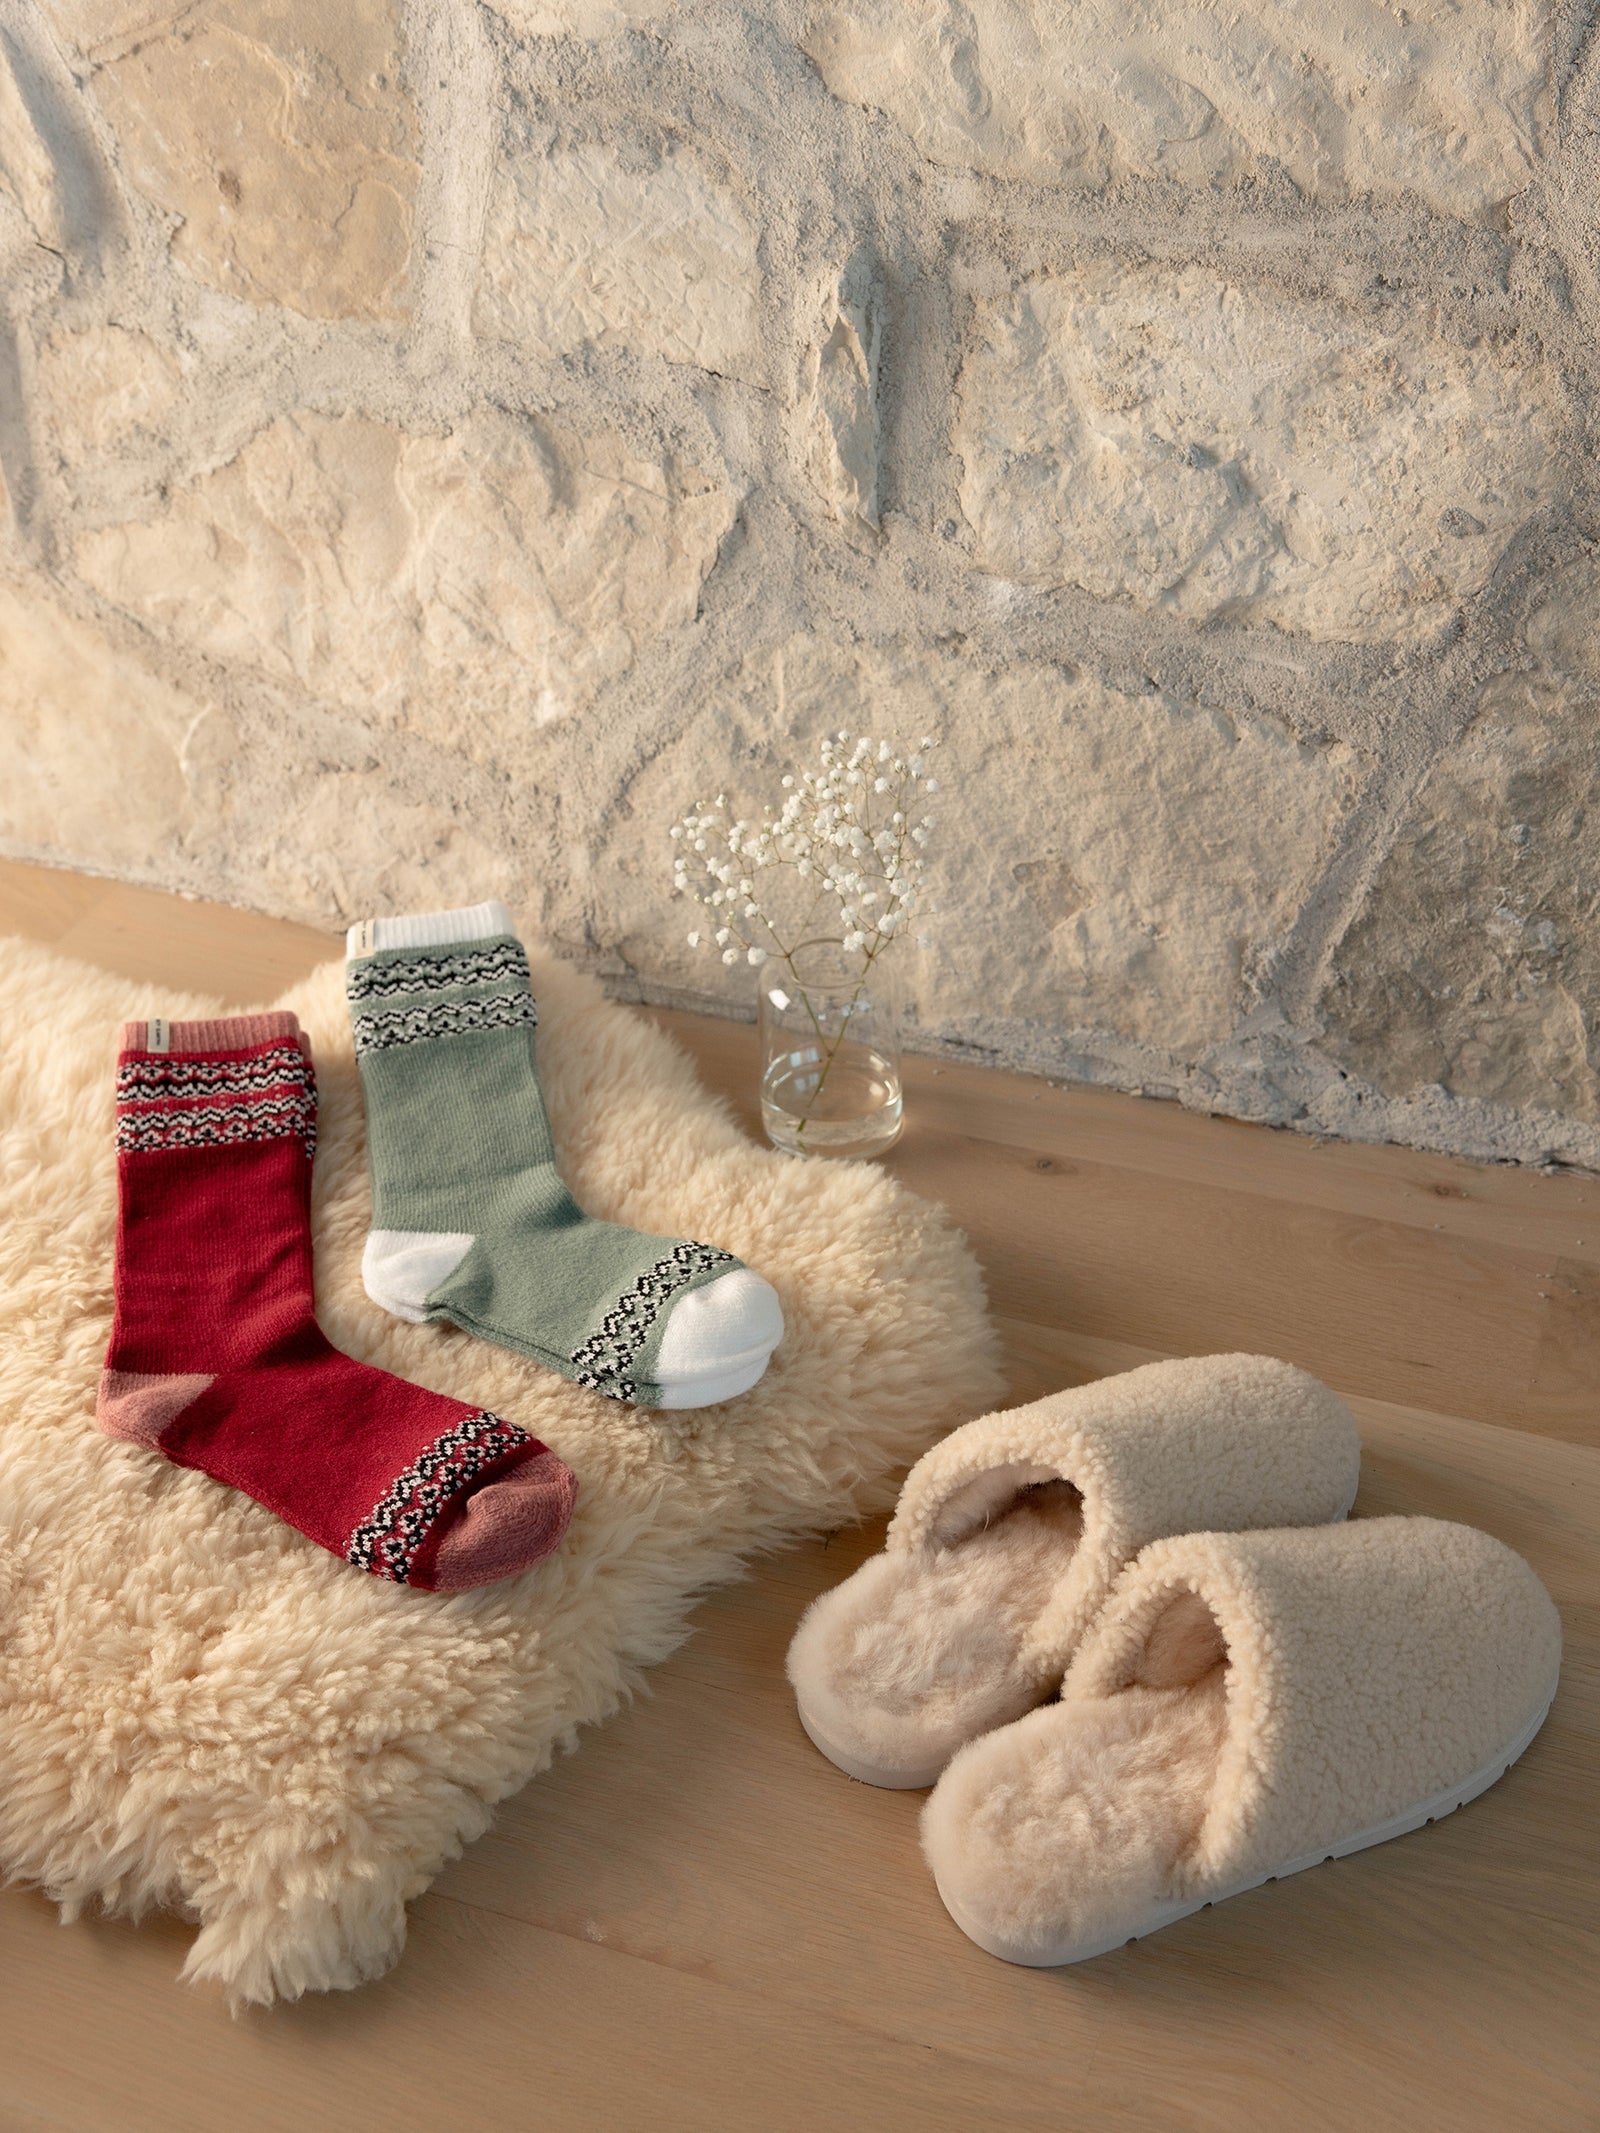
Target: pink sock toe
506, 1526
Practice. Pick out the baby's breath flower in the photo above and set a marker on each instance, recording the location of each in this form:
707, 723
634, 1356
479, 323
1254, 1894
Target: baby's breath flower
844, 833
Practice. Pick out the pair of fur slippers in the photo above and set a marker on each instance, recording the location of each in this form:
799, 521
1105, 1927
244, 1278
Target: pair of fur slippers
1129, 1640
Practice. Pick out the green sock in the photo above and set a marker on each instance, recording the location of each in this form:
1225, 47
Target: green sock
470, 1219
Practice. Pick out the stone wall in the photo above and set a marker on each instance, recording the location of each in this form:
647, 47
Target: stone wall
441, 440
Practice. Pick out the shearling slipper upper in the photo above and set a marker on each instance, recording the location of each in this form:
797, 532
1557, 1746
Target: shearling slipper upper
1247, 1704
1009, 1533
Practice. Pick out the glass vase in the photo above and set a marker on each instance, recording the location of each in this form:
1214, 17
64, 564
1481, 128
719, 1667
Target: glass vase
830, 1053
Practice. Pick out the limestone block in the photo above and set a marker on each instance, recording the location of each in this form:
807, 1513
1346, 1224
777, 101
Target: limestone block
1475, 963
1156, 435
92, 742
101, 384
838, 397
1565, 628
1102, 861
349, 846
468, 587
279, 131
113, 769
27, 168
578, 18
647, 252
1449, 100
96, 29
291, 820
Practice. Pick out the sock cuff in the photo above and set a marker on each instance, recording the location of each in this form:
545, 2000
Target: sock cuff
428, 929
231, 1033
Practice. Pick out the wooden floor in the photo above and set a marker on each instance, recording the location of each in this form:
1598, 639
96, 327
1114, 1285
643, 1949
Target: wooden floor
696, 1923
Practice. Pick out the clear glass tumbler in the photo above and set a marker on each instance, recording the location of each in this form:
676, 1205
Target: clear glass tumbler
830, 1053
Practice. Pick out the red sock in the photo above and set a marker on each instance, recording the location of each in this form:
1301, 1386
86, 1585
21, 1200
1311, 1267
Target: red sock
217, 1361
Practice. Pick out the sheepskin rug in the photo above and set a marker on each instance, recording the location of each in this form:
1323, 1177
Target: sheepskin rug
201, 1710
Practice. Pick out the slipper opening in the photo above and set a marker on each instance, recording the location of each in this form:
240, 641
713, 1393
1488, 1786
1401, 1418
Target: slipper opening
923, 1648
1183, 1646
1037, 1493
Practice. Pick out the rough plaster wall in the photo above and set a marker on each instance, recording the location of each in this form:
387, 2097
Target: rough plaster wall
441, 440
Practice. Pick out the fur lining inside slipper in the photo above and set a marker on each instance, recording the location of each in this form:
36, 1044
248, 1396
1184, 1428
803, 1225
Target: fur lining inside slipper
912, 1656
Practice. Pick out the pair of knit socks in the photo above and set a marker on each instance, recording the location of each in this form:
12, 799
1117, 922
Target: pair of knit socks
216, 1359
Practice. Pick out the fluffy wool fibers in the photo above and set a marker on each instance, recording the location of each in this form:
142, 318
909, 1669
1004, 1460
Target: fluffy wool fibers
201, 1710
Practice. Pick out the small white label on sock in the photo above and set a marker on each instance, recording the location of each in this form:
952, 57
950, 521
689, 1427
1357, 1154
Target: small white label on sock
361, 937
159, 1034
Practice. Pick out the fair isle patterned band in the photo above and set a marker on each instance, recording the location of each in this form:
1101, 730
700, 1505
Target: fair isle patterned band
389, 1539
174, 1074
438, 973
177, 1101
602, 1361
376, 1030
220, 1125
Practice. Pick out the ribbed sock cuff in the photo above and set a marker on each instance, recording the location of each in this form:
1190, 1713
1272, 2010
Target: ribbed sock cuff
233, 1033
428, 929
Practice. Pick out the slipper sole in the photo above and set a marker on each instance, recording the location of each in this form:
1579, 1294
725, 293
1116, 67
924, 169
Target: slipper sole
869, 1773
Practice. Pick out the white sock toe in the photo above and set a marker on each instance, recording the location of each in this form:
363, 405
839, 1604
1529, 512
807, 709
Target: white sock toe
719, 1331
712, 1391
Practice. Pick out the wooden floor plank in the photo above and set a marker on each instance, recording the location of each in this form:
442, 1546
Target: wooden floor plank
490, 2024
1463, 1310
1186, 1269
1492, 1203
235, 954
151, 937
1503, 1203
44, 903
696, 1921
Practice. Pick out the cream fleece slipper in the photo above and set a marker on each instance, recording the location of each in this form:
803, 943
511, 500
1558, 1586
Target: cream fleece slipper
1248, 1704
1009, 1533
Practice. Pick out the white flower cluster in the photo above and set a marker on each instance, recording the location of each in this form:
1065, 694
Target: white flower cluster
847, 837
